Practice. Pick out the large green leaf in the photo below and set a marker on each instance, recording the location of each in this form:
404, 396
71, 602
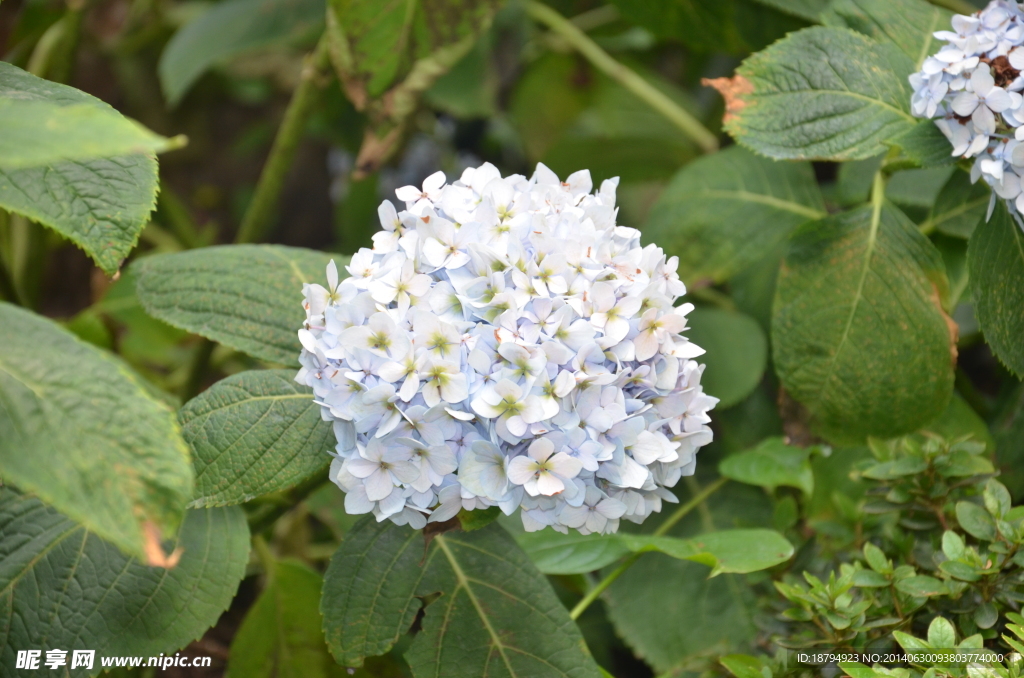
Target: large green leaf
724, 552
695, 616
809, 10
78, 429
375, 45
496, 616
253, 433
737, 352
723, 212
281, 636
770, 464
100, 204
959, 206
62, 587
995, 257
248, 297
923, 145
229, 29
39, 133
701, 24
821, 93
858, 332
908, 24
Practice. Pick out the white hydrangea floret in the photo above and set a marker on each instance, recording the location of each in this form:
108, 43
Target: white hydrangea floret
506, 344
973, 88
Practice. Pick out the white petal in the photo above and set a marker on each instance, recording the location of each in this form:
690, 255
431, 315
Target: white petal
521, 469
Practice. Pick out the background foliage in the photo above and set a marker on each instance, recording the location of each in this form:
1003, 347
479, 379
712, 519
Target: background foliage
862, 319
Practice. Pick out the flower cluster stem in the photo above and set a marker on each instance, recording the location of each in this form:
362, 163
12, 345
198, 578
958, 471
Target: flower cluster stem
662, 530
624, 75
263, 208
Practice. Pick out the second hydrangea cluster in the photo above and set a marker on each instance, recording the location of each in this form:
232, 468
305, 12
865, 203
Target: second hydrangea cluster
506, 344
973, 87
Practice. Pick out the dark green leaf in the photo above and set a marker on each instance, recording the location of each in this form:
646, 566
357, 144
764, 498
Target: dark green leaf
959, 206
723, 212
253, 433
995, 257
555, 553
231, 28
909, 642
941, 633
997, 498
820, 93
770, 464
737, 352
497, 616
924, 145
975, 520
958, 570
857, 670
701, 24
859, 333
898, 468
694, 613
248, 297
377, 45
908, 25
480, 518
78, 429
281, 636
917, 187
869, 579
100, 204
727, 551
38, 133
743, 665
367, 609
876, 559
63, 587
922, 586
809, 10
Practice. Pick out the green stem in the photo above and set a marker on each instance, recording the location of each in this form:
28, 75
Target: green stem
28, 248
266, 558
958, 6
177, 218
263, 208
678, 515
622, 74
8, 290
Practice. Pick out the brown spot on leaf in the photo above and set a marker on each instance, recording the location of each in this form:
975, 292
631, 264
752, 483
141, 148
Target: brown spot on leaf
155, 555
732, 90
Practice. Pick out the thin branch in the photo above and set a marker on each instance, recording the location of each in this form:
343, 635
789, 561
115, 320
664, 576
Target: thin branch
663, 529
263, 208
625, 76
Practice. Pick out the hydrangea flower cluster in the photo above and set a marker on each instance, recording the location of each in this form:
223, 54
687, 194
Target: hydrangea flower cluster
973, 86
505, 344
